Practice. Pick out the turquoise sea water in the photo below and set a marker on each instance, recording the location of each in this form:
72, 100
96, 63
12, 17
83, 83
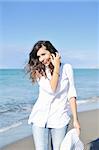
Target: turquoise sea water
18, 94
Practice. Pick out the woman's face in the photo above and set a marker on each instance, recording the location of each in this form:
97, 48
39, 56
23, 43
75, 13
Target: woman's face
44, 56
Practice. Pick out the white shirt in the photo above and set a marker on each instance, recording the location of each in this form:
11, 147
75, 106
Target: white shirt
72, 141
51, 109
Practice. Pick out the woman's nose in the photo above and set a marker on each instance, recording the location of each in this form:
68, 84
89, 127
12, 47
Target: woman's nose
41, 59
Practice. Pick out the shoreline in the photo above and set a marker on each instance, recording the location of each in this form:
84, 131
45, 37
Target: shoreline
89, 131
21, 129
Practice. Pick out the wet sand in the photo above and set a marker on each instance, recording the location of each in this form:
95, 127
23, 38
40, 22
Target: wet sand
89, 121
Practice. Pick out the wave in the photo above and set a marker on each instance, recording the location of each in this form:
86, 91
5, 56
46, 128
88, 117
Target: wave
93, 99
26, 107
8, 107
10, 127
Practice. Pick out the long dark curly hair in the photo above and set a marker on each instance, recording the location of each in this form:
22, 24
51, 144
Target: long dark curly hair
34, 65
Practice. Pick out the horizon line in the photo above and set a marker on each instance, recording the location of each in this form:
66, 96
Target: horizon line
73, 68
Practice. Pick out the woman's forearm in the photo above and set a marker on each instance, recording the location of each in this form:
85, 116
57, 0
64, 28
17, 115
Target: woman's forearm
55, 77
75, 116
74, 108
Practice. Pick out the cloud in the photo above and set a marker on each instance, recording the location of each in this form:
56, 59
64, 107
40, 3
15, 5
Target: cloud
13, 57
79, 58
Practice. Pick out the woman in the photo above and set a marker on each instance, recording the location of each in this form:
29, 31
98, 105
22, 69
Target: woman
56, 87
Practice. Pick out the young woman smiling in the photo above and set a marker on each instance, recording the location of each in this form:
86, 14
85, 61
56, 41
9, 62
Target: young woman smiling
49, 115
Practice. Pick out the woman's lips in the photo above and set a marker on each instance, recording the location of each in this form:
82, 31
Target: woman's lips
46, 61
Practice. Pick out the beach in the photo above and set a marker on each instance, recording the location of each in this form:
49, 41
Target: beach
71, 27
19, 96
89, 121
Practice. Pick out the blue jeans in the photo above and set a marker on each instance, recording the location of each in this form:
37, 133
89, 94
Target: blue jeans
44, 138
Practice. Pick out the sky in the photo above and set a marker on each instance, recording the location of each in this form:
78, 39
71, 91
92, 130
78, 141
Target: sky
71, 26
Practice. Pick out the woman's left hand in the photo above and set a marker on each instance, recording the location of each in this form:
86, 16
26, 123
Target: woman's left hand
77, 126
55, 59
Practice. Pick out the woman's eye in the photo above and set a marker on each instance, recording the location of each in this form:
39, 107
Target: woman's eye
43, 54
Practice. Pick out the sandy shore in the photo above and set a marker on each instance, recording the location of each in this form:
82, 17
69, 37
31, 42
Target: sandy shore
89, 121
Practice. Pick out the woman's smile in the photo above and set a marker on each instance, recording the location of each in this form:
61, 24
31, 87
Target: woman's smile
44, 55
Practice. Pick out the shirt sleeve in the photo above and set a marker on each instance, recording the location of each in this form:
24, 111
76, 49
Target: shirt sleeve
44, 84
71, 88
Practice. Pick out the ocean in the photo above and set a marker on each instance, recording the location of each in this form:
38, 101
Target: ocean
18, 94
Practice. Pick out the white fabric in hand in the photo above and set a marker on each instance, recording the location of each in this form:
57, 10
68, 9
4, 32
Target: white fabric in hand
72, 141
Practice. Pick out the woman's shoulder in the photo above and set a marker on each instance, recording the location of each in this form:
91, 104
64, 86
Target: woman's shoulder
67, 65
67, 68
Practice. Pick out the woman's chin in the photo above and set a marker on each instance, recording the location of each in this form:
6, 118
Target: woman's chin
46, 65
